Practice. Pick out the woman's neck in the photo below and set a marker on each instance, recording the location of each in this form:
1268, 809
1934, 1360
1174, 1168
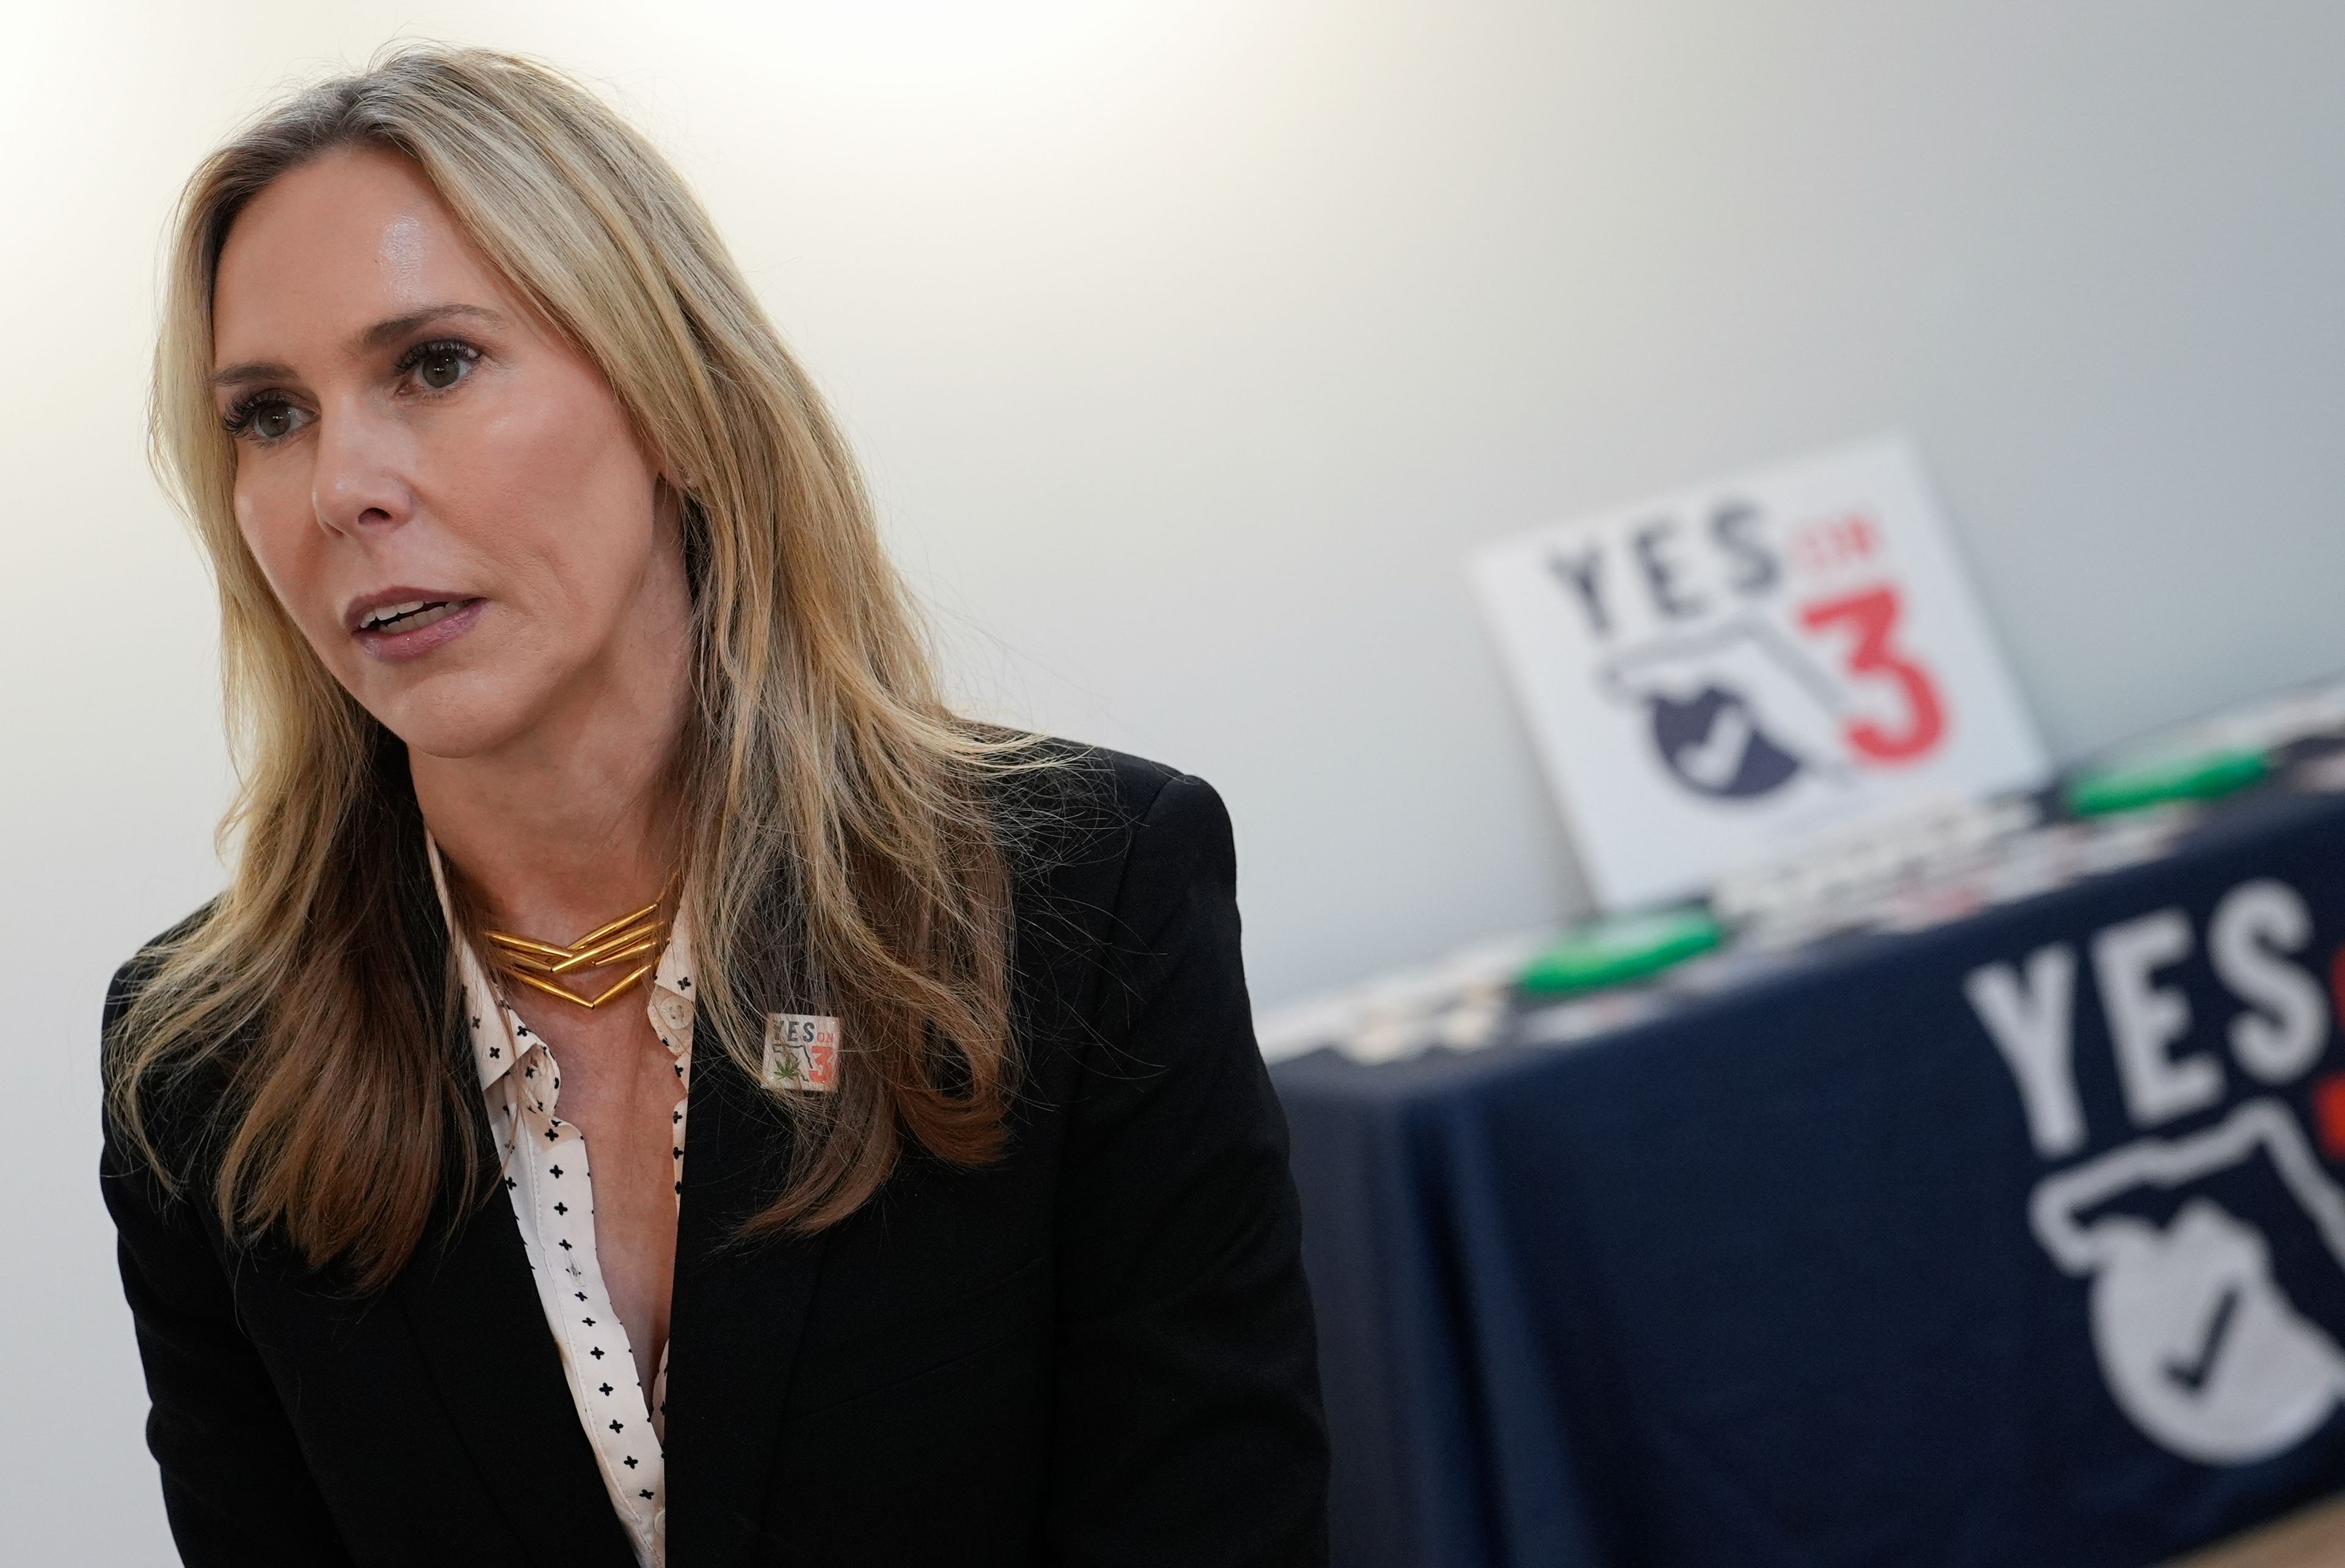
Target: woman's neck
559, 833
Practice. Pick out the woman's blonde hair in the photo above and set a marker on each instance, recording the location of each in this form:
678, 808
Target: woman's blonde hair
840, 826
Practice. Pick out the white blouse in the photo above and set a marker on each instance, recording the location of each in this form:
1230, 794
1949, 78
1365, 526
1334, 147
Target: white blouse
548, 1176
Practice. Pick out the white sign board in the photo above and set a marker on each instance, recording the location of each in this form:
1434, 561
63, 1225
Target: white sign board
1721, 676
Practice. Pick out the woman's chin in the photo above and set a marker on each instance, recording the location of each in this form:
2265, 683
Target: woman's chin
454, 726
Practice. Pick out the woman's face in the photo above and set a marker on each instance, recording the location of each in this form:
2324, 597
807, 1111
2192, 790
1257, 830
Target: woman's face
448, 501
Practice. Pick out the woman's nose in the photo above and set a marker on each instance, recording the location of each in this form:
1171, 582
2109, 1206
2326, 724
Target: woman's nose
360, 482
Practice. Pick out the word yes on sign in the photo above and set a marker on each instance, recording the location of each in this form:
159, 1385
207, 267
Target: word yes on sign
1716, 678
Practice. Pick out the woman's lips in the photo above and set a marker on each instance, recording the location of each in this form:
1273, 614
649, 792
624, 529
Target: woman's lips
433, 625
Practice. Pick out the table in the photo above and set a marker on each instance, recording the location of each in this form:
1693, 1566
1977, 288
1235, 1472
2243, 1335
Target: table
1796, 1273
2313, 1539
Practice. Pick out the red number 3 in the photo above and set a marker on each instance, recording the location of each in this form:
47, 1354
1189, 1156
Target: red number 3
1873, 615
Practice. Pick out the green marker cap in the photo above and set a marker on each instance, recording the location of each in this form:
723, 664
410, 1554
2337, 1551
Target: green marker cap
2129, 786
1621, 947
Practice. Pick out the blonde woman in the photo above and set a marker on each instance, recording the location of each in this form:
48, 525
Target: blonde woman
658, 1085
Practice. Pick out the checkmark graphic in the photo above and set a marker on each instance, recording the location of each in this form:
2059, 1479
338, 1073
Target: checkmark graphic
1713, 760
2193, 1374
2199, 1340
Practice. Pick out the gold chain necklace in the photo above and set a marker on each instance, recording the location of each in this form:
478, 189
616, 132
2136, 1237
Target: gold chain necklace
542, 965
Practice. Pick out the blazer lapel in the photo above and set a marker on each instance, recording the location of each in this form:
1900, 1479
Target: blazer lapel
734, 1321
476, 1315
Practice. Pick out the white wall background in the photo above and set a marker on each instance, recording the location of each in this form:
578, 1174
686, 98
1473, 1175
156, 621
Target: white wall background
1192, 343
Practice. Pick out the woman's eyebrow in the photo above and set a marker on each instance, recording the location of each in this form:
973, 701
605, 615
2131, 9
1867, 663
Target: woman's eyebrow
382, 332
385, 332
250, 372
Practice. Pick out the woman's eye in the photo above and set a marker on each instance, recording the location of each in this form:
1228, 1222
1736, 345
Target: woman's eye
437, 367
264, 420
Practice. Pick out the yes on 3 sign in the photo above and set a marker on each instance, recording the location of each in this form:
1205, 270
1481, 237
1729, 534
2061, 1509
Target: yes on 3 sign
1717, 677
801, 1051
2202, 1341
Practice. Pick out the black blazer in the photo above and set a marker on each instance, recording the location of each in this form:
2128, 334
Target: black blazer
1098, 1350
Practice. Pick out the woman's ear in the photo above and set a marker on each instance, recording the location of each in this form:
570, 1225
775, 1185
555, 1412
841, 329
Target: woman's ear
678, 506
671, 496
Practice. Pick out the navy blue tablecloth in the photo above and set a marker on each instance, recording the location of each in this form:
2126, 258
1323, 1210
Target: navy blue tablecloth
1759, 1282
